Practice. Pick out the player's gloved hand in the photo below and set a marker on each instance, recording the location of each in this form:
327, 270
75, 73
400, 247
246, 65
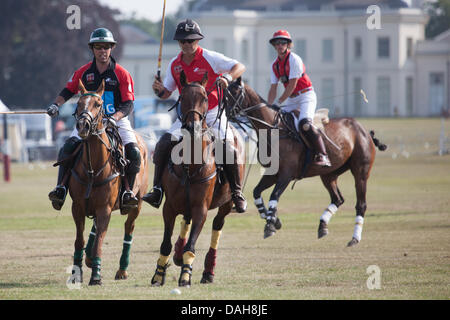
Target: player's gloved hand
53, 110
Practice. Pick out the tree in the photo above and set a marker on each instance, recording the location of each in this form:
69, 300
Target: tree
39, 53
439, 12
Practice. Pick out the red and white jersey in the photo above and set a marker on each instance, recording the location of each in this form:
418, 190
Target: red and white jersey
292, 67
204, 61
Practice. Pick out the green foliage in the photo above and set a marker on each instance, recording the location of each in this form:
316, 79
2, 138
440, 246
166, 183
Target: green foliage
39, 53
439, 12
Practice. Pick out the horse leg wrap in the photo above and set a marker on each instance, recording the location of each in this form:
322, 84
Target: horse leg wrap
125, 257
184, 230
215, 236
186, 269
359, 221
160, 272
90, 242
96, 266
328, 213
210, 261
272, 212
78, 258
259, 203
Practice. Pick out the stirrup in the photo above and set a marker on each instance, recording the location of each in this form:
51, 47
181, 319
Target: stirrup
131, 201
153, 194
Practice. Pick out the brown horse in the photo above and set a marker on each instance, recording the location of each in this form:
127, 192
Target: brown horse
95, 185
350, 147
192, 188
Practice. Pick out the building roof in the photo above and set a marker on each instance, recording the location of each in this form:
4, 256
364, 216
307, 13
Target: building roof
289, 5
134, 35
443, 37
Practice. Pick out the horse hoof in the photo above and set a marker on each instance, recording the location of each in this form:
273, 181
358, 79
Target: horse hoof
278, 224
269, 230
207, 278
121, 275
95, 282
88, 262
184, 283
323, 229
352, 242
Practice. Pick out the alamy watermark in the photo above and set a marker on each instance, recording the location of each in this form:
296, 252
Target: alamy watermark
374, 20
73, 22
190, 150
374, 279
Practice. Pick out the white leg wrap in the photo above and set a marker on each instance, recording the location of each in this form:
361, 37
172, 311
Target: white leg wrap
273, 203
328, 213
258, 201
359, 221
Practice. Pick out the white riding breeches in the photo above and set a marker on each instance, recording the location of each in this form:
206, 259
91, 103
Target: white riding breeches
219, 127
305, 103
126, 132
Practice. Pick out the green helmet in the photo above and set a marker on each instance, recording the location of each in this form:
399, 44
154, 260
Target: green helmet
101, 35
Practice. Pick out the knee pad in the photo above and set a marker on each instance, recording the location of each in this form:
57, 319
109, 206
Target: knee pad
305, 124
70, 145
133, 154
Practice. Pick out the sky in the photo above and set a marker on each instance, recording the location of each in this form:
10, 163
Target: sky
150, 9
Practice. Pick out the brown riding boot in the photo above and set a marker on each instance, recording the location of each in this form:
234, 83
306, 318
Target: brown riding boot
160, 159
315, 139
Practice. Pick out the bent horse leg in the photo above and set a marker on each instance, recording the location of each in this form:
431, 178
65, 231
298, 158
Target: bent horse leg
330, 183
162, 264
181, 242
210, 259
265, 182
272, 219
122, 273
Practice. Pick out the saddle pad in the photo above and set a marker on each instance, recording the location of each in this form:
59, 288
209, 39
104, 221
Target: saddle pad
321, 118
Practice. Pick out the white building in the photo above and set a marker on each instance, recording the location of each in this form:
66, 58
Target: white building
342, 47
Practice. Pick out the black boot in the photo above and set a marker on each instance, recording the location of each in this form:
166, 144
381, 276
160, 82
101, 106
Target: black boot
132, 153
235, 173
316, 142
58, 195
160, 159
66, 158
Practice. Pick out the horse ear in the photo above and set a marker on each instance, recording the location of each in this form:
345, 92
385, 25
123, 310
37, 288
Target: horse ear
239, 81
204, 80
81, 87
101, 88
183, 79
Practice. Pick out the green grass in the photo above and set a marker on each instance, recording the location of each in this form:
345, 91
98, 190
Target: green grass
406, 234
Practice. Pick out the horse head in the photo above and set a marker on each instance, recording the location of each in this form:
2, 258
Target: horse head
193, 104
89, 110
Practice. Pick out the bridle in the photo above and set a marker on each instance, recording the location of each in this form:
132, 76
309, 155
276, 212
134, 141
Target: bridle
183, 117
88, 116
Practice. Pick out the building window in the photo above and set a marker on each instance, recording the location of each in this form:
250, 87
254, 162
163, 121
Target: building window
383, 47
383, 96
358, 48
357, 99
219, 45
409, 47
244, 50
327, 50
300, 48
328, 94
437, 92
409, 96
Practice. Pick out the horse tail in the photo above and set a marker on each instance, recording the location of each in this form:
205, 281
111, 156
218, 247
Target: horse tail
380, 146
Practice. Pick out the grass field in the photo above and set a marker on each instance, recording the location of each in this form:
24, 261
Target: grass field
406, 234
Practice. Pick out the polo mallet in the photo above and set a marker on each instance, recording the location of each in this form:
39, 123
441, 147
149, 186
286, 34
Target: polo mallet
158, 73
23, 112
